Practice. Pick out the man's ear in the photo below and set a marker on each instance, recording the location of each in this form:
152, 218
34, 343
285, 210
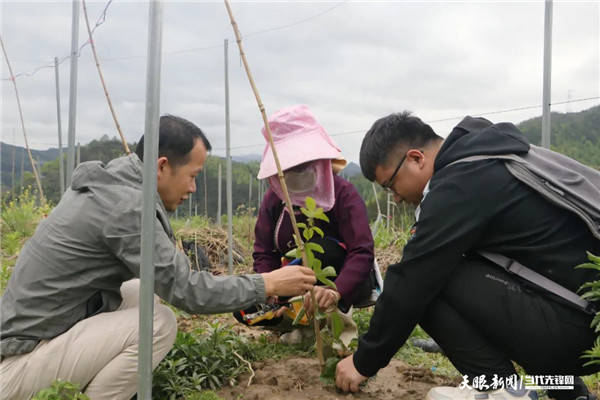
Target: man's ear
417, 156
161, 166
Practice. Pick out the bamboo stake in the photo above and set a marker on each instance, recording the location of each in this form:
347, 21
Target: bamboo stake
35, 172
112, 111
288, 201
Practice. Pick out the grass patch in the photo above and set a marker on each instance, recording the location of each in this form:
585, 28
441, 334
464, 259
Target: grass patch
61, 390
18, 220
213, 357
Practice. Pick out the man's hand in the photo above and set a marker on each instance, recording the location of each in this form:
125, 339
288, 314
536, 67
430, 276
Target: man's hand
326, 299
289, 281
347, 377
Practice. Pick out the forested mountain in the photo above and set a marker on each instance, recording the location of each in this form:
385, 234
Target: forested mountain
574, 134
106, 149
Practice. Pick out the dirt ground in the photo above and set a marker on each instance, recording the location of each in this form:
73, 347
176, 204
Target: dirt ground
298, 379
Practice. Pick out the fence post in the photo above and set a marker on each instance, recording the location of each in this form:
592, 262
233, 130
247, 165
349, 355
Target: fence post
73, 90
228, 157
152, 114
78, 154
249, 190
205, 194
219, 197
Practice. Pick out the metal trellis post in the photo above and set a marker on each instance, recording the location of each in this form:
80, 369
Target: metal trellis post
61, 172
152, 118
73, 90
228, 156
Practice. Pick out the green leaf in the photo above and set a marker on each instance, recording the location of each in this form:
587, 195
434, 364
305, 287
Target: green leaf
299, 316
596, 322
593, 258
311, 204
310, 258
301, 225
318, 230
329, 271
320, 214
315, 247
316, 266
306, 234
320, 315
588, 266
326, 281
328, 372
306, 212
293, 253
337, 325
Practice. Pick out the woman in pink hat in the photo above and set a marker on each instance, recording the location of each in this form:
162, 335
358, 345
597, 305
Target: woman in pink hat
311, 160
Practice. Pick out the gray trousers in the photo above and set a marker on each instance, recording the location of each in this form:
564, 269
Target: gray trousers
99, 353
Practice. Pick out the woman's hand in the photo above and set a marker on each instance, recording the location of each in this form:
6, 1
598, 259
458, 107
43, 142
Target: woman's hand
325, 297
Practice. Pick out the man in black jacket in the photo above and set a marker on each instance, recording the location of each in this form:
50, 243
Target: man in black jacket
482, 316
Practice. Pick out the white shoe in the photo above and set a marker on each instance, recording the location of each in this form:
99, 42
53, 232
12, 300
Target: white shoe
293, 337
455, 393
298, 335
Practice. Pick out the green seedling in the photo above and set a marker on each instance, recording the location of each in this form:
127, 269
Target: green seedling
592, 293
330, 334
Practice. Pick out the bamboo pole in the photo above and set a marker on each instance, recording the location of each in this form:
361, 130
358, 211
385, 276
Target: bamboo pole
288, 201
112, 110
35, 172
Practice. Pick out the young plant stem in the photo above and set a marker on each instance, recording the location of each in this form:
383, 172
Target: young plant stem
112, 111
288, 201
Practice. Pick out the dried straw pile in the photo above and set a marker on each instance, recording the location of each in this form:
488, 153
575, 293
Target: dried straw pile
209, 242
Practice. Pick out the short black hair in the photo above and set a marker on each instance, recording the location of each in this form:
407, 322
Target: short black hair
390, 133
176, 137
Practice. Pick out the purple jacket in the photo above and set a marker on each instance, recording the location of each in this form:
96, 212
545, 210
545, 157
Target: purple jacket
347, 222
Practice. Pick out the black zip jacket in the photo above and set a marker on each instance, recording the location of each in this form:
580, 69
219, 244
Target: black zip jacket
472, 206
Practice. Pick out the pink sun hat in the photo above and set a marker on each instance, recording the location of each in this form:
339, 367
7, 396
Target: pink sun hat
298, 138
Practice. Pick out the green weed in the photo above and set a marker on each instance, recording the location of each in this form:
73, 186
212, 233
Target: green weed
18, 220
205, 359
591, 292
205, 395
61, 390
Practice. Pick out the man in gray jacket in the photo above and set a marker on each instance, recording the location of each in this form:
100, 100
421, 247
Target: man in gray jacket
70, 310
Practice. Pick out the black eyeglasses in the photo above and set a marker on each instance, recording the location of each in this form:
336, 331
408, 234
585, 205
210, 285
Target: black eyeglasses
387, 184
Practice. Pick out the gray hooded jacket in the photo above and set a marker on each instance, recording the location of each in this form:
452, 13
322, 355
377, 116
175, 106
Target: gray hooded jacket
74, 264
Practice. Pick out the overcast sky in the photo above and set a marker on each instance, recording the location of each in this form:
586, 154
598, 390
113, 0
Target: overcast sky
350, 62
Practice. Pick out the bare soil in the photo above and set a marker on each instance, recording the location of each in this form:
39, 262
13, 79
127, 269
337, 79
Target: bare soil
297, 378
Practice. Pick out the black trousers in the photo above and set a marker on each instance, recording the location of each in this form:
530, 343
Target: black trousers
486, 317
